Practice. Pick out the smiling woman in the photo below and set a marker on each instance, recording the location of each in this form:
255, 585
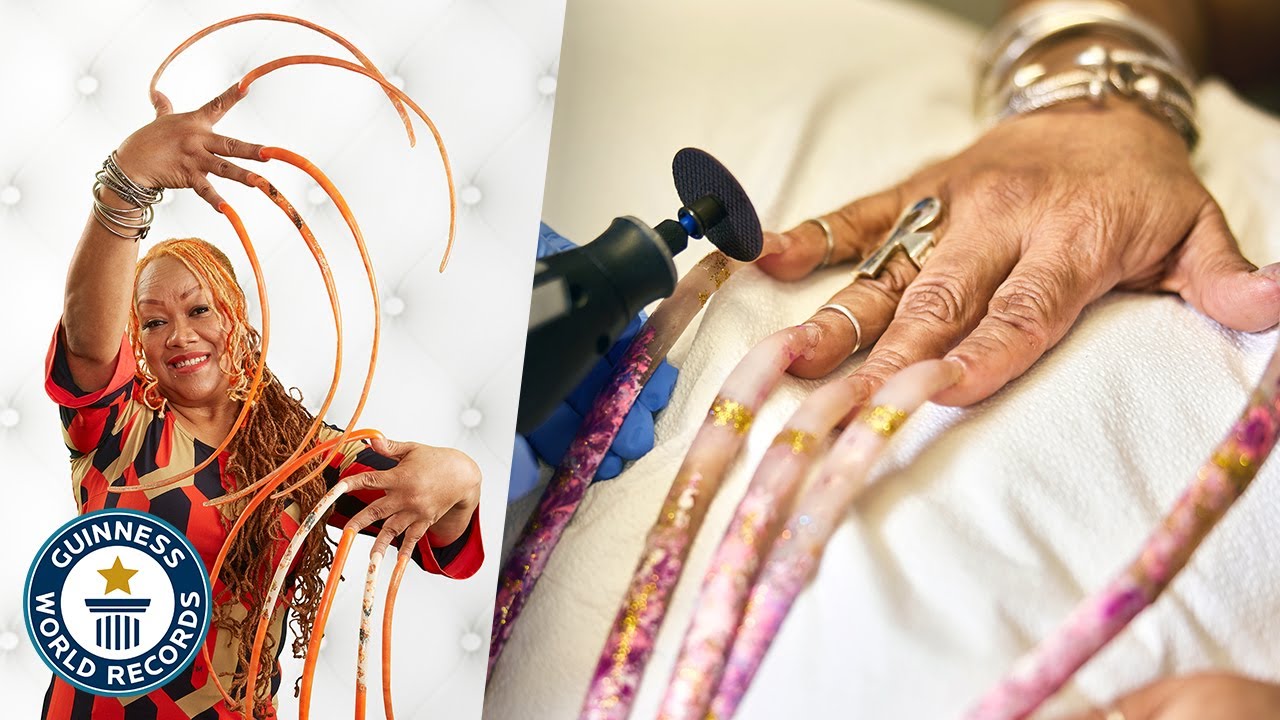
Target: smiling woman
153, 364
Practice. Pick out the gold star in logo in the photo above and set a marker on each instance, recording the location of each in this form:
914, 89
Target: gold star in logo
117, 577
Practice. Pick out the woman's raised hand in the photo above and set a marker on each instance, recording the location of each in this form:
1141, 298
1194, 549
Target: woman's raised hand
1042, 215
179, 150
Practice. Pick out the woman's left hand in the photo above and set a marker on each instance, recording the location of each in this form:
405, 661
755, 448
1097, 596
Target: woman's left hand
431, 491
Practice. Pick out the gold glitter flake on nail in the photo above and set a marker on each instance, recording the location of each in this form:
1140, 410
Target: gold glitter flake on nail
718, 269
631, 623
884, 419
799, 441
1237, 466
703, 297
729, 413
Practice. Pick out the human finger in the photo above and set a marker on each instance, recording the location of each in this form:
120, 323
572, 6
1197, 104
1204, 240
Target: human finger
161, 103
204, 189
635, 437
374, 512
870, 302
392, 528
610, 466
229, 170
213, 110
944, 302
1029, 313
413, 535
1214, 277
855, 228
390, 448
231, 147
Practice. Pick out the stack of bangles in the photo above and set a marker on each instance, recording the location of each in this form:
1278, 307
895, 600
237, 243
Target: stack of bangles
1128, 57
116, 220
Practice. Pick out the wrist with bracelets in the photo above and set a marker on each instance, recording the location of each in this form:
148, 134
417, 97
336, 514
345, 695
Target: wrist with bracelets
1124, 57
120, 221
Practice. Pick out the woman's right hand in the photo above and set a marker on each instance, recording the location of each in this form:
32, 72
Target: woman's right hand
1207, 696
180, 150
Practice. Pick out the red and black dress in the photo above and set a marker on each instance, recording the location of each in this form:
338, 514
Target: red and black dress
116, 440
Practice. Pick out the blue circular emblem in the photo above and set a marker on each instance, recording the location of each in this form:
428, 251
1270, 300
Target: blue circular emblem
117, 602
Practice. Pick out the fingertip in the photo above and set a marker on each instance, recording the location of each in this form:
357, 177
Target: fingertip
610, 467
657, 392
1260, 308
812, 336
774, 243
635, 437
1241, 299
969, 386
784, 257
825, 352
954, 370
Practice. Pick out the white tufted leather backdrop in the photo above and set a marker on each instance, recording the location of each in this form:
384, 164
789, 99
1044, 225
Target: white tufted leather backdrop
73, 78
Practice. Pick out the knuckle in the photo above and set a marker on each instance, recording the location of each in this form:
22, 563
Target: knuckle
934, 300
1025, 308
859, 222
889, 285
1006, 188
883, 362
979, 346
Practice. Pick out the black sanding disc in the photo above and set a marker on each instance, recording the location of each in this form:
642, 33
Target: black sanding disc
697, 174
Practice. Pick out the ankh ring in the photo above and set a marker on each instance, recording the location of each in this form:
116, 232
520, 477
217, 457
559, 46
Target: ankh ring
909, 234
829, 234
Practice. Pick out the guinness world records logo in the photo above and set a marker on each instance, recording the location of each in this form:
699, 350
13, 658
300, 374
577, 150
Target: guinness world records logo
117, 602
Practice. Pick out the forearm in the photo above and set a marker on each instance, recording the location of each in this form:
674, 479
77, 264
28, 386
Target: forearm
1232, 38
98, 293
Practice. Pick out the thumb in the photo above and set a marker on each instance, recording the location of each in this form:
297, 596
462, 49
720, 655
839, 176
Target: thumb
390, 448
1214, 277
161, 103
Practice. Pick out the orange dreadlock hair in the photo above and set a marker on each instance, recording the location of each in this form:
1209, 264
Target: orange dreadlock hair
273, 430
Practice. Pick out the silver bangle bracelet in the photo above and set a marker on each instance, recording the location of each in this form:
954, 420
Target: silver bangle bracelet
145, 195
112, 218
1097, 73
1024, 30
